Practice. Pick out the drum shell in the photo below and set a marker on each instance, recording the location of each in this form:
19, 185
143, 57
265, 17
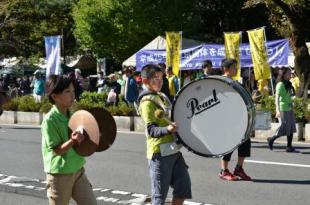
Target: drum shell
203, 90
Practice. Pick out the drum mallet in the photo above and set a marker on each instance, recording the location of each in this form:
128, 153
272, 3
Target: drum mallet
160, 114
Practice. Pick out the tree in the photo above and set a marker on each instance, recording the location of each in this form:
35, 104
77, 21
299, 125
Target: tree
291, 18
24, 23
120, 28
117, 29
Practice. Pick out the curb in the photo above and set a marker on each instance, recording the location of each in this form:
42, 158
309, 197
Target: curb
255, 139
22, 126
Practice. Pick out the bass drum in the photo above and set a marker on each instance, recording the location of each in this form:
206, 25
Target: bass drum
213, 115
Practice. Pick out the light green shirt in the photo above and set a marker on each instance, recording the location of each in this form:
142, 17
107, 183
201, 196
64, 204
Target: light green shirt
284, 96
147, 110
54, 129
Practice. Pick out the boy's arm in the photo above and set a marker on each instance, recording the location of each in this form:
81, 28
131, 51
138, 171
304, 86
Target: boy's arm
63, 148
76, 137
147, 109
53, 141
155, 131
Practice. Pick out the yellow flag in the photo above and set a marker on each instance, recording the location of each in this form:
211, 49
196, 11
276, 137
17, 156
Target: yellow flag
173, 49
232, 43
259, 55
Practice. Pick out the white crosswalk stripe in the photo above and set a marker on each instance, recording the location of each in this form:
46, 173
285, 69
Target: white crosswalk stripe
36, 187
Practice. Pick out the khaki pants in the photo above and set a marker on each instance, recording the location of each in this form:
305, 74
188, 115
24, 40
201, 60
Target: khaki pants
61, 187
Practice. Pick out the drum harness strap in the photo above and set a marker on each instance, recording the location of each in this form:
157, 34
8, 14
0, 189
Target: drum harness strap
162, 102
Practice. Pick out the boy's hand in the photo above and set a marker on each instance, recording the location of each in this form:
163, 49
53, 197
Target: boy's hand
172, 127
77, 136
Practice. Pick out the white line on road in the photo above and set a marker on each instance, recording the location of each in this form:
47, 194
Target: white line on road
278, 163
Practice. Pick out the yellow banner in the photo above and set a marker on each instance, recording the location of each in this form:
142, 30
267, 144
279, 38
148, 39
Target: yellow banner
259, 54
173, 50
232, 43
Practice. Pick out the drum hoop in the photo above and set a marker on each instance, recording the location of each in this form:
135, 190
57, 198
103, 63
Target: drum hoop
251, 109
249, 128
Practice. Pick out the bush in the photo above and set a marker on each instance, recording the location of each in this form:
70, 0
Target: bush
125, 110
88, 100
45, 107
307, 113
98, 100
28, 104
268, 103
301, 108
12, 105
93, 98
84, 105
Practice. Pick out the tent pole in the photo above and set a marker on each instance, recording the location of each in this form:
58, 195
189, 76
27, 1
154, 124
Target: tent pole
179, 73
63, 45
249, 80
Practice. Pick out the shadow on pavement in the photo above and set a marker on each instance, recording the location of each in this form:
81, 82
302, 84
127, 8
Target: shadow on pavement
280, 147
278, 181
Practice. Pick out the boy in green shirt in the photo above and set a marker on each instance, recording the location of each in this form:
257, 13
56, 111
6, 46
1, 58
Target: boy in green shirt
65, 174
166, 164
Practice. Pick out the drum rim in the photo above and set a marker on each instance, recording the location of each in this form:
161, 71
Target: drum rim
222, 79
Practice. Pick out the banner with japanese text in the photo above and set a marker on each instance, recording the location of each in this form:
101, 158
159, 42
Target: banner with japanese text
259, 54
173, 49
232, 44
192, 58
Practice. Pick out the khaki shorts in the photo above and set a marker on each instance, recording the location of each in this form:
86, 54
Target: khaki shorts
61, 187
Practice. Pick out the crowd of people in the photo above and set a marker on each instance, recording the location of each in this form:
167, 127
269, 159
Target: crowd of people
128, 82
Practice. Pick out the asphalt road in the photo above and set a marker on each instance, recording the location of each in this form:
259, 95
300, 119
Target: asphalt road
278, 177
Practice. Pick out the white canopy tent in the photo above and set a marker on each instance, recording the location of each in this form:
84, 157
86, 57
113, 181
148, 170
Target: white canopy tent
159, 43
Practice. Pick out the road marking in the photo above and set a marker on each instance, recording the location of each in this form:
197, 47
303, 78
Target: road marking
278, 163
37, 187
120, 192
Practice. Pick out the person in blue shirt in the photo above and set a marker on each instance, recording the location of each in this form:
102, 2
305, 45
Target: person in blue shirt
38, 87
131, 89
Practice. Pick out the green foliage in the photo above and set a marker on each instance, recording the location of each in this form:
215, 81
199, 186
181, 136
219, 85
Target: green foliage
93, 98
27, 104
286, 15
12, 105
45, 105
88, 100
307, 113
120, 28
268, 103
98, 100
301, 108
84, 105
24, 23
121, 110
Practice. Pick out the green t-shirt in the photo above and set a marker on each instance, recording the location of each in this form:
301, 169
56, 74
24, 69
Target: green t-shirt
285, 100
54, 129
147, 110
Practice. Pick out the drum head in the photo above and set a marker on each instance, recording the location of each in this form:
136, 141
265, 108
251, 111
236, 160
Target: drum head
86, 121
211, 115
107, 128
